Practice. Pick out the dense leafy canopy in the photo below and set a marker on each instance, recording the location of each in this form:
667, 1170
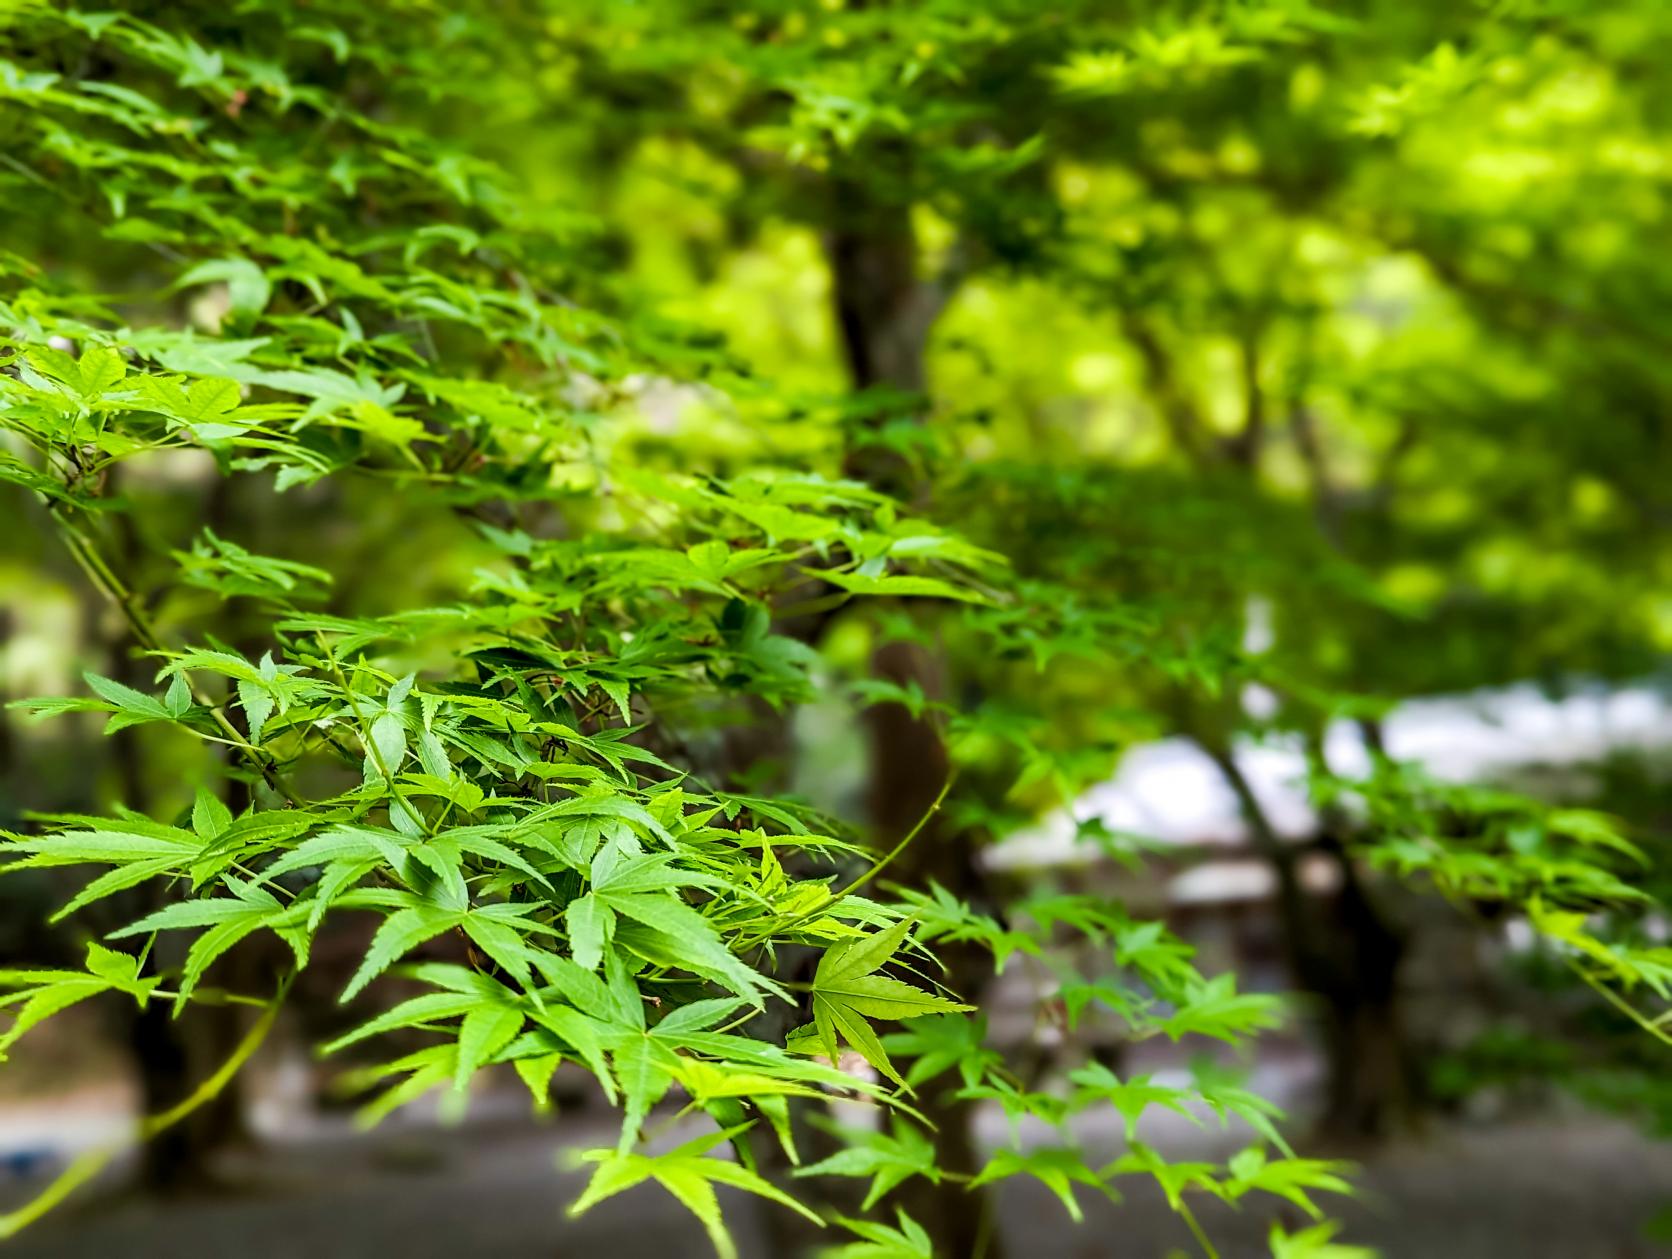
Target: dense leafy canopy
312, 249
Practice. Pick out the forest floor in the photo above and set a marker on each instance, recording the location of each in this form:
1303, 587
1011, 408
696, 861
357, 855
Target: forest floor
497, 1186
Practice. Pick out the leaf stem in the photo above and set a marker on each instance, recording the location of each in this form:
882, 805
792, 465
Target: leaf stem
883, 863
214, 996
1652, 1026
823, 907
1196, 1231
364, 730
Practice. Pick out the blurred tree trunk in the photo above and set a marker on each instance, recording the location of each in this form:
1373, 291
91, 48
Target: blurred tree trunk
1375, 1084
1343, 952
1341, 949
884, 312
1371, 1078
171, 1054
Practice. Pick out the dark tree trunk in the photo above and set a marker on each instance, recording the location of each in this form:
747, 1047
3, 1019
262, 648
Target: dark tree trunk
885, 311
1345, 954
908, 765
172, 1054
1369, 1093
1355, 972
1341, 950
173, 1057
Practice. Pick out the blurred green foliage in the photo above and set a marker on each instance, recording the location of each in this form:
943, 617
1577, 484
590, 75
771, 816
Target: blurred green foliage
458, 441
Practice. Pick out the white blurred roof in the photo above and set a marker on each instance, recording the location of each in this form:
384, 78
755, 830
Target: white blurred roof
1170, 792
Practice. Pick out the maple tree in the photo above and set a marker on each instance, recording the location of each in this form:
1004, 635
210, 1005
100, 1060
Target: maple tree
268, 241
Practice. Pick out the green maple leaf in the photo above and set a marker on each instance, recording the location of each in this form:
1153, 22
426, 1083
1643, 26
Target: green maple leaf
1058, 1169
909, 1241
848, 992
689, 1175
887, 1160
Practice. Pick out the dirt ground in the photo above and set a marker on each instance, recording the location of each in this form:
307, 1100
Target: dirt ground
1532, 1190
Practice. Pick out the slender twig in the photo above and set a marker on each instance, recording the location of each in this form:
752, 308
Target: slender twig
94, 1161
1620, 1003
824, 907
983, 1225
211, 1087
892, 853
366, 739
1196, 1231
87, 557
213, 996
